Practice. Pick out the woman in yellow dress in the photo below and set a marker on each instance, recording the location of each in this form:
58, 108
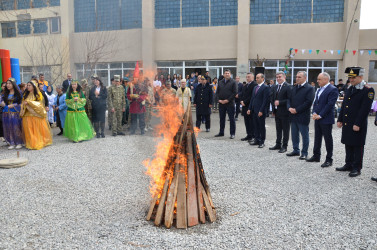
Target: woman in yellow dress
34, 123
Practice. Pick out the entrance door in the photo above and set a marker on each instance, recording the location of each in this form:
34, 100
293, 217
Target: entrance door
201, 71
214, 72
313, 74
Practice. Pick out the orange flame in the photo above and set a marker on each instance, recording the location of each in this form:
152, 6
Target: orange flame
170, 114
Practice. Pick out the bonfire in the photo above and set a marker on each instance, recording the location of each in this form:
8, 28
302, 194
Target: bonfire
179, 189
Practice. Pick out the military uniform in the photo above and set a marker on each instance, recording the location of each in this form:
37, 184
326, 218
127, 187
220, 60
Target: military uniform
354, 112
109, 113
116, 100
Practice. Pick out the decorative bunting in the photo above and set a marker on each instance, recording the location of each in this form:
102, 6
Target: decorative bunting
310, 51
296, 51
339, 51
369, 52
325, 51
317, 51
346, 51
303, 51
361, 52
354, 52
375, 52
332, 52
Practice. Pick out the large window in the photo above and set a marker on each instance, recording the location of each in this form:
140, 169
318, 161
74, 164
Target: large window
99, 15
40, 26
296, 11
27, 4
24, 27
195, 13
313, 68
8, 29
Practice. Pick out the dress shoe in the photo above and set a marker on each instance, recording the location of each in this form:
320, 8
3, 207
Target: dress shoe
245, 139
283, 150
254, 143
326, 164
276, 147
373, 179
303, 157
121, 133
114, 134
232, 136
251, 141
293, 154
219, 135
313, 159
261, 145
98, 135
354, 173
207, 130
344, 168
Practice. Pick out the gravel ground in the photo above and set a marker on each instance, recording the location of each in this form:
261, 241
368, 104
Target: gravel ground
94, 195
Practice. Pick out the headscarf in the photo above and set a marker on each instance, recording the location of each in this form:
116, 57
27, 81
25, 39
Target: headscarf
49, 92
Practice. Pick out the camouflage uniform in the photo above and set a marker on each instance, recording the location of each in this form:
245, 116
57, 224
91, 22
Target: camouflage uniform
116, 100
109, 113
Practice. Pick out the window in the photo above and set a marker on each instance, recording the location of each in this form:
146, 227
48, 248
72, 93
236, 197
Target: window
264, 11
7, 5
24, 27
55, 25
54, 2
23, 4
195, 13
8, 29
39, 3
224, 12
131, 14
108, 15
167, 14
372, 76
40, 26
296, 11
85, 15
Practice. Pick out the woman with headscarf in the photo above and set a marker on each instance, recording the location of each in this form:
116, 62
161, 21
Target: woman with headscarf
34, 123
77, 125
51, 97
12, 123
60, 109
98, 97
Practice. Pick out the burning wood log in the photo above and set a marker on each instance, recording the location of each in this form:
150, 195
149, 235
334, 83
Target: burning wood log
184, 199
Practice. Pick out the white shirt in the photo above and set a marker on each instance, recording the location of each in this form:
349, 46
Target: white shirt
157, 83
98, 89
321, 89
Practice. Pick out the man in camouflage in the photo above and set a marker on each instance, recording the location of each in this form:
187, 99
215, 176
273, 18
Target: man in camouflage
117, 105
109, 113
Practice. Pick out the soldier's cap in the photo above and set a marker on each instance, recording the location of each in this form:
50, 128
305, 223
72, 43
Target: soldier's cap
117, 78
12, 80
126, 79
354, 71
94, 76
83, 81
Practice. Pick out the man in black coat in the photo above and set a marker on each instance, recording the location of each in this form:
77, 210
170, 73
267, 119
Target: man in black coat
299, 103
245, 98
237, 99
324, 118
226, 92
279, 100
258, 108
203, 100
375, 123
67, 82
353, 119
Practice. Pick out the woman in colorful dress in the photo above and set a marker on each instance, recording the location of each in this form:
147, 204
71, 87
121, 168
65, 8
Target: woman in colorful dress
36, 129
77, 126
51, 97
12, 123
60, 109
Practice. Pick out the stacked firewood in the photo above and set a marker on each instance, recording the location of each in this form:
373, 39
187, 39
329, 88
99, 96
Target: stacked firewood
185, 199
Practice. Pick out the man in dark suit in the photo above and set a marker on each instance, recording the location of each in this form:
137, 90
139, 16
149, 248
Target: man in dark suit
203, 100
279, 99
258, 108
299, 103
375, 123
67, 82
324, 118
237, 99
353, 119
245, 98
226, 92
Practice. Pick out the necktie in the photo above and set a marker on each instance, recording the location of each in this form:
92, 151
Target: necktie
319, 91
279, 87
256, 90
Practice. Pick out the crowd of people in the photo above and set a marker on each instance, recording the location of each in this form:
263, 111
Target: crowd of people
79, 110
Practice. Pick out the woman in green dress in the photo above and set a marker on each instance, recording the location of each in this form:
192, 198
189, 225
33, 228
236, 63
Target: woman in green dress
77, 126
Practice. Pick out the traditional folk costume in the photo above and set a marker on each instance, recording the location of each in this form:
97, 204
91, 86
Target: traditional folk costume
62, 111
77, 125
35, 126
137, 107
50, 112
184, 95
12, 123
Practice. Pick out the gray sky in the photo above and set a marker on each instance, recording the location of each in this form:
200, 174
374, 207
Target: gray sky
368, 19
